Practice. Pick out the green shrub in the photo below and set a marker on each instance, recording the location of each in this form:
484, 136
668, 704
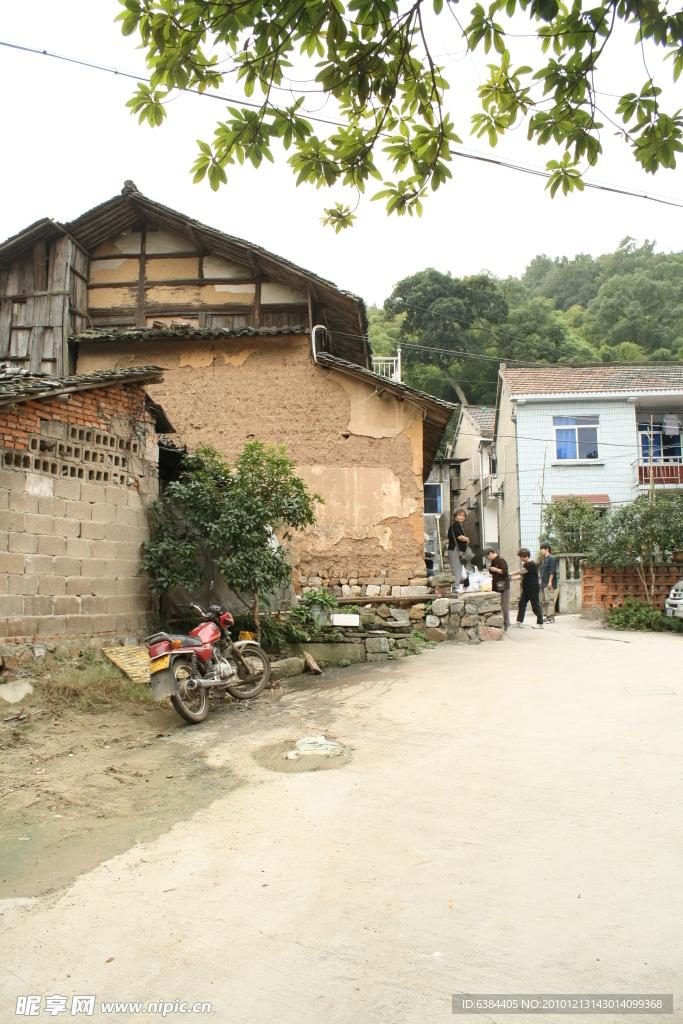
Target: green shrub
322, 598
637, 615
276, 631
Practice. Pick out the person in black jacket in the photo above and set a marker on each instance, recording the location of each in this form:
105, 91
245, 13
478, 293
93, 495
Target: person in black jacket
500, 582
531, 589
457, 544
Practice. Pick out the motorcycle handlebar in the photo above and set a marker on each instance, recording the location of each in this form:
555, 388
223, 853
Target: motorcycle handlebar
202, 611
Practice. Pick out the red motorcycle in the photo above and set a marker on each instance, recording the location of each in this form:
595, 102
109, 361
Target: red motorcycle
185, 668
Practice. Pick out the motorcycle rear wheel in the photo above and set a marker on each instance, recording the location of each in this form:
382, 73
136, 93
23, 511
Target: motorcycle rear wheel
192, 705
259, 666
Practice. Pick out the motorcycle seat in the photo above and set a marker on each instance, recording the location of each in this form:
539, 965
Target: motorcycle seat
189, 641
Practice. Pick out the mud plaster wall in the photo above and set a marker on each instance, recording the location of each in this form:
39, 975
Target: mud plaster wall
361, 452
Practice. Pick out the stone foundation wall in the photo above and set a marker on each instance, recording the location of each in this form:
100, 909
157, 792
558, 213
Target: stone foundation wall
366, 582
465, 618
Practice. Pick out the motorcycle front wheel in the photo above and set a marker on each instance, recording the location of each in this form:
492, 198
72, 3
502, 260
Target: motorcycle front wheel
192, 705
246, 687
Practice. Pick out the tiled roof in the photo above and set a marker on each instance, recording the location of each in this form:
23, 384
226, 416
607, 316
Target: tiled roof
19, 386
484, 416
560, 380
595, 499
169, 331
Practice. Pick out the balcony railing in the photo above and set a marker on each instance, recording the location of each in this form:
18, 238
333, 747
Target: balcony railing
662, 471
388, 366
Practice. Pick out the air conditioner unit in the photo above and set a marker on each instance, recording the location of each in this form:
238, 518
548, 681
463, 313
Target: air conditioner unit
471, 502
496, 488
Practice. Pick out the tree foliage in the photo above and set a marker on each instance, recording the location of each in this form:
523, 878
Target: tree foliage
450, 318
235, 512
625, 306
638, 534
570, 523
375, 60
385, 331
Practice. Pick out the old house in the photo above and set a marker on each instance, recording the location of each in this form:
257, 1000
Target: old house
252, 346
78, 460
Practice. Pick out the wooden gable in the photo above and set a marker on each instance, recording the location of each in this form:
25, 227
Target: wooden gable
132, 263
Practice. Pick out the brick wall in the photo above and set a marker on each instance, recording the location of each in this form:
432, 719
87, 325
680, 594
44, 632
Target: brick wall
97, 408
602, 587
75, 478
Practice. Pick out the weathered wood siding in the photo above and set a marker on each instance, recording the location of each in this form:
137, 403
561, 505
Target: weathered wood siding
140, 276
43, 300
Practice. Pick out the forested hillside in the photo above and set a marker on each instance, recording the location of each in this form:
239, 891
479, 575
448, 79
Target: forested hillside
625, 306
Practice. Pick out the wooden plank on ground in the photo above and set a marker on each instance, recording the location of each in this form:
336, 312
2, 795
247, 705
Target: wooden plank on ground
134, 661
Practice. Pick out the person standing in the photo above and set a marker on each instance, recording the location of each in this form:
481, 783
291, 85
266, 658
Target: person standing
500, 582
548, 582
457, 544
531, 589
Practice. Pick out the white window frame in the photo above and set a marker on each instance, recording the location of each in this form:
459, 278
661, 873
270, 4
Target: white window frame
578, 461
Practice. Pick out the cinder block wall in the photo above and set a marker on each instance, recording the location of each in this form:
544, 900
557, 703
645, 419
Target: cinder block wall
69, 547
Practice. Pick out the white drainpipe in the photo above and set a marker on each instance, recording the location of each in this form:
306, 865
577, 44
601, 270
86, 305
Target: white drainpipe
314, 347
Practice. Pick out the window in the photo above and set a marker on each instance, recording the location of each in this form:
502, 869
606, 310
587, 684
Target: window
576, 437
665, 446
432, 499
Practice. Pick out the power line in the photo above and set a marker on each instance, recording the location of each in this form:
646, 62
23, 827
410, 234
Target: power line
462, 153
143, 78
497, 359
462, 354
484, 327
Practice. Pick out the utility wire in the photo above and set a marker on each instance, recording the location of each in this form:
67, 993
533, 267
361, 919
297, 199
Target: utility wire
472, 323
498, 359
463, 154
212, 95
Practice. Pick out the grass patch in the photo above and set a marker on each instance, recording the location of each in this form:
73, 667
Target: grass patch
87, 681
637, 615
421, 640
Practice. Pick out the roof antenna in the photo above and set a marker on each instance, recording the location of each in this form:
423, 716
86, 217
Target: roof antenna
129, 186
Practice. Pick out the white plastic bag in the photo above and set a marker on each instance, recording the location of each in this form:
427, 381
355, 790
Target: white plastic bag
486, 581
475, 581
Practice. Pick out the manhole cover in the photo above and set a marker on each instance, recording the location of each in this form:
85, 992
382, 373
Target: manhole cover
309, 754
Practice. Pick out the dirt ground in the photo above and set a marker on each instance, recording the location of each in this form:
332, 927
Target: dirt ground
505, 818
85, 775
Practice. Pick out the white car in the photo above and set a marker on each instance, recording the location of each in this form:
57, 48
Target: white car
674, 602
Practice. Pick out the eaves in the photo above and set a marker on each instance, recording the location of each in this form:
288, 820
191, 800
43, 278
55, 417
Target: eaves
588, 396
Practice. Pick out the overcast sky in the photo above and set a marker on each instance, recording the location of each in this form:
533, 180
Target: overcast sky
69, 143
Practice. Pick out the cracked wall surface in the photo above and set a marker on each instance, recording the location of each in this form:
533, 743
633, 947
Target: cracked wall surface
360, 451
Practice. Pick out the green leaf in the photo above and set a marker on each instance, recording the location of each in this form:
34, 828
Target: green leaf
369, 72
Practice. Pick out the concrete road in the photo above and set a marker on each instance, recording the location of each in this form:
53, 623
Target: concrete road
509, 822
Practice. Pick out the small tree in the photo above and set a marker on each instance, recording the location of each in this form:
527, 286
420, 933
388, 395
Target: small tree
637, 533
570, 522
235, 512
